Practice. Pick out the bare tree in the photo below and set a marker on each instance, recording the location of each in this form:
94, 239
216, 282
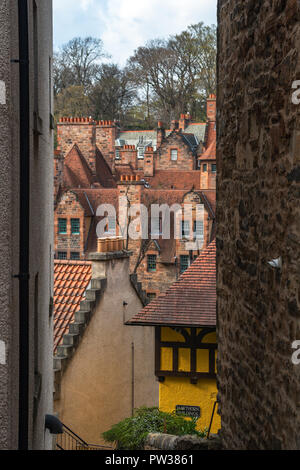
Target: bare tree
78, 63
113, 93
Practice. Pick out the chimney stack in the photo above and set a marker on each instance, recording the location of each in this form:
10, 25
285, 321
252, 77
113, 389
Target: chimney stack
211, 107
161, 133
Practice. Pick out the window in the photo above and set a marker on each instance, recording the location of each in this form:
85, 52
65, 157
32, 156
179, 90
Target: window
111, 226
62, 255
75, 226
151, 263
117, 154
204, 168
199, 229
62, 226
214, 168
141, 151
156, 223
174, 155
75, 255
185, 228
151, 296
184, 263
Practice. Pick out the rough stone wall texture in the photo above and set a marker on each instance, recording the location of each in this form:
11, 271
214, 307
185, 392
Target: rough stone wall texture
168, 442
41, 223
258, 209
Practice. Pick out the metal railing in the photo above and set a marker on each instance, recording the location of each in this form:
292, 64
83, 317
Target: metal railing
69, 440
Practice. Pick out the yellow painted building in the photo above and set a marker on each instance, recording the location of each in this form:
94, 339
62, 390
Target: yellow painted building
187, 373
185, 342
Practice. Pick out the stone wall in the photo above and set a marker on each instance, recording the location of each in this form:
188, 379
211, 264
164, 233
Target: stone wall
258, 209
41, 222
70, 208
185, 160
169, 442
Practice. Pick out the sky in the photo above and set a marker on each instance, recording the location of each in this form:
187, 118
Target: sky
124, 25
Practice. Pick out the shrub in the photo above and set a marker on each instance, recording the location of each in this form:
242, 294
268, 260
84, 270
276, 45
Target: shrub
131, 433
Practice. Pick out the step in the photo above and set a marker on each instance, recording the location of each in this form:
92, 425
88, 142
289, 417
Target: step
83, 316
86, 305
58, 363
71, 339
91, 294
77, 327
96, 283
65, 350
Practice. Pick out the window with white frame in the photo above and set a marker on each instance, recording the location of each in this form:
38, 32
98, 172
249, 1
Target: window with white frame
141, 152
185, 228
156, 226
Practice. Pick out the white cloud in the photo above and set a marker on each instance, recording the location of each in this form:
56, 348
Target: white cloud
86, 4
124, 25
128, 24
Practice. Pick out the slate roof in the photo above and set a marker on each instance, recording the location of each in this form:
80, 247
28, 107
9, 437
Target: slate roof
71, 279
198, 129
133, 137
190, 301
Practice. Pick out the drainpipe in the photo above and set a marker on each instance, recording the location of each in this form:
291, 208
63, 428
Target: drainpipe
132, 379
23, 275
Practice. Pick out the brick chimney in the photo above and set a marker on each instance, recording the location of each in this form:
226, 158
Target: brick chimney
161, 133
184, 121
80, 131
211, 107
106, 134
174, 125
149, 162
128, 156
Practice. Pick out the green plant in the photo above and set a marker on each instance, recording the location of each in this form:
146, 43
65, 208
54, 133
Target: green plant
130, 434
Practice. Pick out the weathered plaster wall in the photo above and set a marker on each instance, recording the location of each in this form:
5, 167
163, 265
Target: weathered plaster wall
96, 388
258, 158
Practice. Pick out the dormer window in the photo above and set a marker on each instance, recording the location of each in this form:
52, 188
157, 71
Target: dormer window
141, 152
174, 155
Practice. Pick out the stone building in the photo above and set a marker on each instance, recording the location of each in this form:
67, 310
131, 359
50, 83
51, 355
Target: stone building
97, 163
258, 233
184, 318
103, 369
26, 220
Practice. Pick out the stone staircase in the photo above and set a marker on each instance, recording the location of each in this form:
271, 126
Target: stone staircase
72, 339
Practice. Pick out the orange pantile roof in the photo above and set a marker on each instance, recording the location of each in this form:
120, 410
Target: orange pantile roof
191, 301
71, 279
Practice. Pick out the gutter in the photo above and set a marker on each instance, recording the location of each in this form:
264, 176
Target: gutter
23, 275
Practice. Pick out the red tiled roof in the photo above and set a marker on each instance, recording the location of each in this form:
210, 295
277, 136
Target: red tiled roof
210, 153
166, 179
77, 172
71, 279
191, 301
